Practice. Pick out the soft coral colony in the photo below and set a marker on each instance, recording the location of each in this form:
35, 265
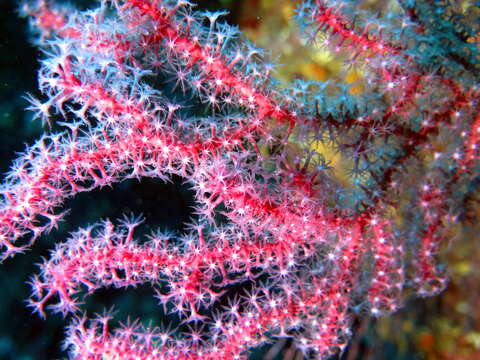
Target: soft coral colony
301, 249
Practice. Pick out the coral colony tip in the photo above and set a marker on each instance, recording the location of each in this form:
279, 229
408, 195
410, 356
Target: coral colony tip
280, 248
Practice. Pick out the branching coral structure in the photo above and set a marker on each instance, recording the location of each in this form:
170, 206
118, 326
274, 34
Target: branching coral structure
154, 88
